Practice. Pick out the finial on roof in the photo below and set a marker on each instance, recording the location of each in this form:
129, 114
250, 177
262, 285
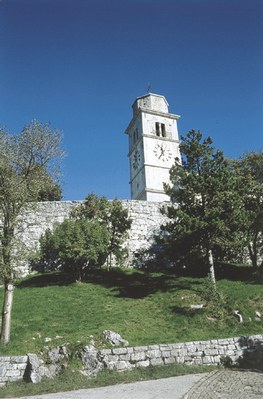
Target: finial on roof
148, 87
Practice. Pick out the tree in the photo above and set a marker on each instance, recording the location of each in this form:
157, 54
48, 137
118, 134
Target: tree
113, 216
51, 190
250, 229
24, 158
95, 231
206, 203
75, 246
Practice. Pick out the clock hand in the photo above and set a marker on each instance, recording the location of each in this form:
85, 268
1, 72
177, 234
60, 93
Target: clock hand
162, 152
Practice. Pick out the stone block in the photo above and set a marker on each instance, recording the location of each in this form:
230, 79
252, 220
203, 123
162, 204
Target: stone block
207, 360
217, 359
5, 359
126, 357
191, 349
13, 373
211, 352
214, 341
105, 351
14, 379
3, 369
119, 351
179, 359
156, 362
164, 347
154, 347
144, 363
19, 359
169, 360
122, 366
198, 354
140, 348
166, 353
197, 361
111, 358
21, 366
110, 365
153, 353
138, 356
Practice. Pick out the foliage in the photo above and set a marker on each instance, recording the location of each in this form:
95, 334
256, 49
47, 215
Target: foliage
76, 246
95, 231
215, 300
206, 203
250, 228
51, 191
113, 216
24, 159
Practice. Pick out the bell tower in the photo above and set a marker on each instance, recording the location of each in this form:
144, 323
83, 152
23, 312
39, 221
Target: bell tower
153, 147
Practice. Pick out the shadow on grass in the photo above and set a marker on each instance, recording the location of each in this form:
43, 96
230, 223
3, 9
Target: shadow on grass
138, 284
188, 312
46, 279
236, 272
125, 283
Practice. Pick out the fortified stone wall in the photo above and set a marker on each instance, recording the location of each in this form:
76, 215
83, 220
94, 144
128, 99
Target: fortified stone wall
146, 221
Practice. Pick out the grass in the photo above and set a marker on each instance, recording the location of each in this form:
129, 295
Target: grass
71, 379
145, 308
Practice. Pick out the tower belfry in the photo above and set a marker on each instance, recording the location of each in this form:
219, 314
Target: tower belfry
153, 147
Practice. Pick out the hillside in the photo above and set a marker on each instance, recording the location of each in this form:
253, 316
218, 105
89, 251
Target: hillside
145, 308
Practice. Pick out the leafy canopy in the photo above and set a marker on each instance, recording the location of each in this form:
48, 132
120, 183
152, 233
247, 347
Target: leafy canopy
94, 233
28, 167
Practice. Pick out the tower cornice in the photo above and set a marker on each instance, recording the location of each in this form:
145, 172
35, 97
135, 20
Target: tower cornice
152, 112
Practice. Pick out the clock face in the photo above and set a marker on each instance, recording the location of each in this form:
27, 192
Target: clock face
136, 160
162, 152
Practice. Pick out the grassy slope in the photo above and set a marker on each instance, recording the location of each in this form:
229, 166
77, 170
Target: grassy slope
145, 308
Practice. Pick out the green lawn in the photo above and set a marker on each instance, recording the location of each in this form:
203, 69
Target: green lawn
145, 308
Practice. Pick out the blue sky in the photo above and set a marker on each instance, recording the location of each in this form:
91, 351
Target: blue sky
80, 64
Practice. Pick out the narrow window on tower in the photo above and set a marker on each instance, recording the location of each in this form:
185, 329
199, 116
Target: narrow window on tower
157, 128
163, 130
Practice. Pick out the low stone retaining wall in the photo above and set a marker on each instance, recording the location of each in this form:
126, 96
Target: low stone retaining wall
213, 352
12, 368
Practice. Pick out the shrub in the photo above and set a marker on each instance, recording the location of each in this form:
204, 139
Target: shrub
75, 246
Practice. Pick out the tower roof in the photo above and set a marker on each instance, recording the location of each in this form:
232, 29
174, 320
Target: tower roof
151, 101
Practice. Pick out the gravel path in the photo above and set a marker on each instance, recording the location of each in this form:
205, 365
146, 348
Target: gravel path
228, 384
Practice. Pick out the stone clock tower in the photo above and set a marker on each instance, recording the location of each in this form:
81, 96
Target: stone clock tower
153, 147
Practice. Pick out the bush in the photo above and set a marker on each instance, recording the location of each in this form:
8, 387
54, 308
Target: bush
75, 246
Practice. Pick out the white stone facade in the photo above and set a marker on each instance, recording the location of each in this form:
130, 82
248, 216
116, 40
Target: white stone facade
153, 147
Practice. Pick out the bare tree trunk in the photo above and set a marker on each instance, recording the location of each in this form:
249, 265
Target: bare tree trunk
252, 250
211, 267
6, 313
